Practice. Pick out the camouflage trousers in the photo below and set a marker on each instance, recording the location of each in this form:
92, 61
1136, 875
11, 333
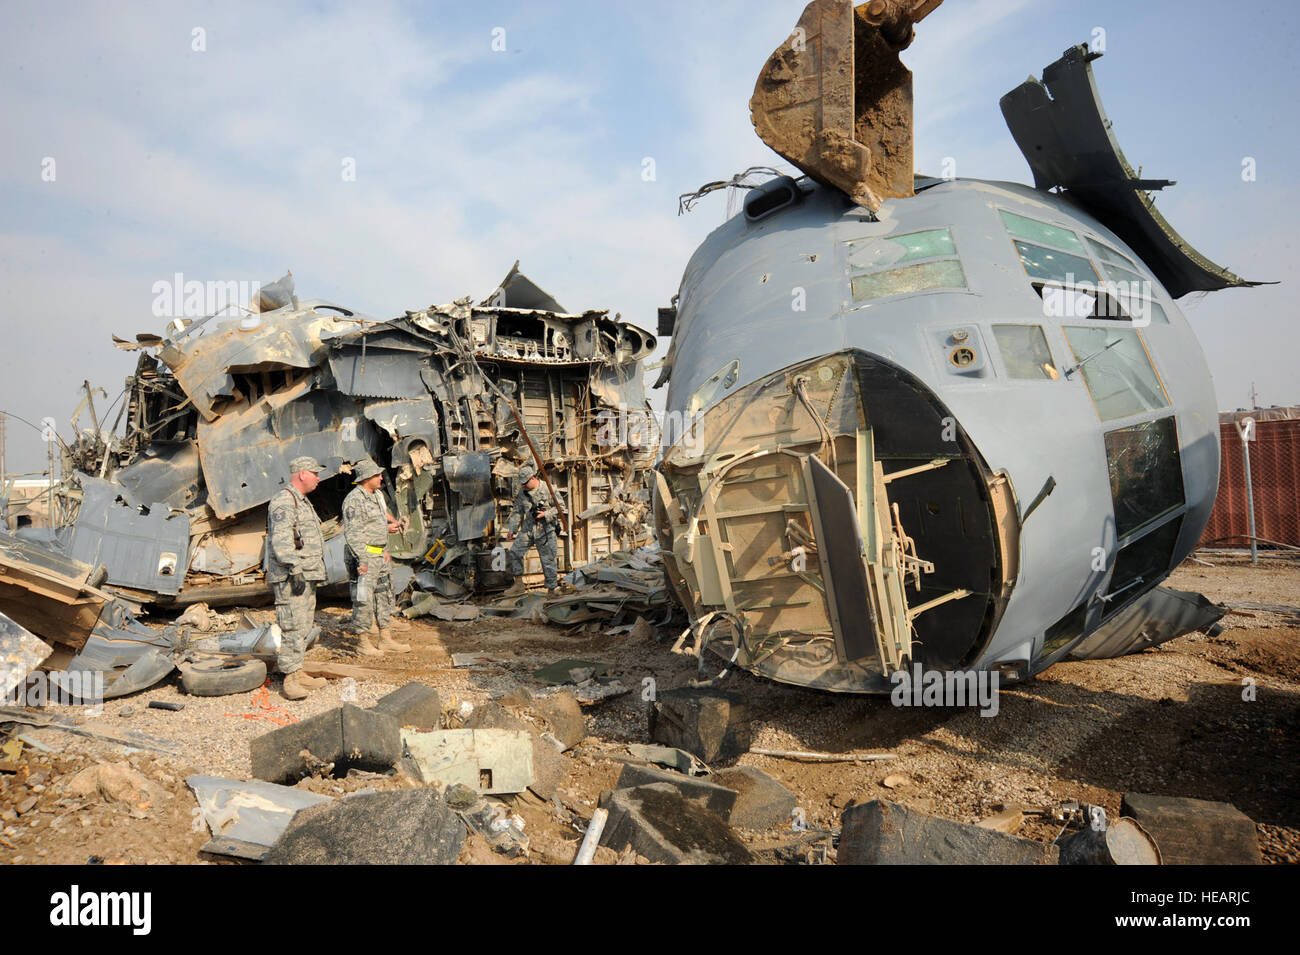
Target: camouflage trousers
546, 545
296, 615
377, 604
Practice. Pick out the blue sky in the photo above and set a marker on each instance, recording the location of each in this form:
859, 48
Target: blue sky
226, 163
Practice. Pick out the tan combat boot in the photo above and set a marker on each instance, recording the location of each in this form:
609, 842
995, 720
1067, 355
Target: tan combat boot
294, 688
515, 589
311, 682
388, 645
399, 624
365, 647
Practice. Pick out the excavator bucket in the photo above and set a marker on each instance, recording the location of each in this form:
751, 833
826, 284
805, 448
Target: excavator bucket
835, 100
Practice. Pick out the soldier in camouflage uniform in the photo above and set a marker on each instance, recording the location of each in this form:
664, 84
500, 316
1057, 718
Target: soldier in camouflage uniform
295, 565
366, 526
535, 515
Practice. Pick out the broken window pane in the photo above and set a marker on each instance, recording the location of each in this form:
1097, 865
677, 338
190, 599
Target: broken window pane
866, 255
912, 278
1145, 560
1146, 476
1109, 256
1024, 351
1035, 231
1044, 263
1119, 378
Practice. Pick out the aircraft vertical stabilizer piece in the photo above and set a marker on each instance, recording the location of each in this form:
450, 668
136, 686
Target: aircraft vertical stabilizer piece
835, 100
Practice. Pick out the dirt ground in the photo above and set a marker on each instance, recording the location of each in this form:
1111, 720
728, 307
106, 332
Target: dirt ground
1173, 720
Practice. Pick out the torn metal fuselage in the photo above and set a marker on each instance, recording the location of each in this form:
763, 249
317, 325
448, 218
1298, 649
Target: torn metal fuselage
871, 403
449, 401
953, 423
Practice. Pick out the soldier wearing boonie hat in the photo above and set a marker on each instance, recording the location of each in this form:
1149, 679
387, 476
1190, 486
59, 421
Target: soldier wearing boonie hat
366, 526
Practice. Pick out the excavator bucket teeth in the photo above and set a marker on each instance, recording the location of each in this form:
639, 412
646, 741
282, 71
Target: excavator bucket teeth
835, 100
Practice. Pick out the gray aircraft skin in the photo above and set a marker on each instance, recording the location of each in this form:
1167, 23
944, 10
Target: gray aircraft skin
955, 424
1151, 392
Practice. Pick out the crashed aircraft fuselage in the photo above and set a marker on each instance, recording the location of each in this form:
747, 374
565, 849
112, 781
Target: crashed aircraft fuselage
450, 401
968, 428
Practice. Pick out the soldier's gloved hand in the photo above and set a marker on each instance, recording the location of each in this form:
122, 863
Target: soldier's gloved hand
298, 582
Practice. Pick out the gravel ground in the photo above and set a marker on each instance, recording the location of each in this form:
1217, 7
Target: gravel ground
1170, 720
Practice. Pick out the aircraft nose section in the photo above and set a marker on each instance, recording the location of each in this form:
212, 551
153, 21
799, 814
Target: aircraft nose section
829, 523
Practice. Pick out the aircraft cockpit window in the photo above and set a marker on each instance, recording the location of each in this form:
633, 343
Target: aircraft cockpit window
1048, 251
1041, 233
1117, 371
1054, 265
1067, 301
1146, 475
874, 264
1125, 284
1140, 564
1109, 256
1025, 352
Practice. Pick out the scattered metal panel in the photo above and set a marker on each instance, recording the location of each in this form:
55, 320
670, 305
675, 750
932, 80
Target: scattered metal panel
168, 475
247, 817
131, 656
21, 652
485, 760
1062, 130
470, 478
1155, 618
374, 372
407, 422
246, 454
144, 551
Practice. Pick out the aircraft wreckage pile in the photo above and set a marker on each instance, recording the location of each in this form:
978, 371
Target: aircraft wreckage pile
451, 401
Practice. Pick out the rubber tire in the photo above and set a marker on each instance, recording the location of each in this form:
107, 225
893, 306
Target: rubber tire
222, 677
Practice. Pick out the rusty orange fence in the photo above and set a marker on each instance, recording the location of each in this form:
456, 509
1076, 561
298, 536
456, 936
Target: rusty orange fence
1274, 482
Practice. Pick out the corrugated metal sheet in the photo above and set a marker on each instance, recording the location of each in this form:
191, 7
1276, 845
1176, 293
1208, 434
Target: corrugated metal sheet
1275, 480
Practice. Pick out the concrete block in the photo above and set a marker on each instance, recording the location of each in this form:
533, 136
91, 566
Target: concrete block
761, 801
710, 723
414, 705
1195, 831
717, 799
401, 827
661, 825
564, 715
885, 833
349, 737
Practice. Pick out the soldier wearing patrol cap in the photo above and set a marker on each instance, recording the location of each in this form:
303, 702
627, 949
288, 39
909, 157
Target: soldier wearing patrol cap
366, 526
535, 515
295, 565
